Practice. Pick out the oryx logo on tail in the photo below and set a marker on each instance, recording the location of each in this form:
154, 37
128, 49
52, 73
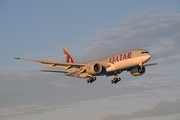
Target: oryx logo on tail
68, 56
69, 59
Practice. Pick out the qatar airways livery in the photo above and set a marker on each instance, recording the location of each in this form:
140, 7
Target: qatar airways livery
132, 60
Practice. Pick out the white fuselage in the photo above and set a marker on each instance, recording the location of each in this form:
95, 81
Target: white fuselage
118, 62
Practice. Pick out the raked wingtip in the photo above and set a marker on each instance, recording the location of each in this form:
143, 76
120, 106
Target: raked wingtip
17, 58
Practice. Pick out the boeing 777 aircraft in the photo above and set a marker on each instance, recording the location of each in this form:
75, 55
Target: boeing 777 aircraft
132, 60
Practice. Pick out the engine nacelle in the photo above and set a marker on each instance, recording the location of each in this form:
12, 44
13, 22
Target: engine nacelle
94, 69
137, 71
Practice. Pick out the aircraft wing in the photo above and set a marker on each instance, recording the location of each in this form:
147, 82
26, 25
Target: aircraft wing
57, 71
149, 64
54, 63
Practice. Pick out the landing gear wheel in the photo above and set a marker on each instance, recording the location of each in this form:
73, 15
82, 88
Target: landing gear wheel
91, 79
115, 80
112, 81
119, 79
141, 69
87, 81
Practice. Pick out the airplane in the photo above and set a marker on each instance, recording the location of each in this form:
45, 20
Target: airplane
132, 60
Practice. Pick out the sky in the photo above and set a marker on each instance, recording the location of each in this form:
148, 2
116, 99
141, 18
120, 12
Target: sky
38, 29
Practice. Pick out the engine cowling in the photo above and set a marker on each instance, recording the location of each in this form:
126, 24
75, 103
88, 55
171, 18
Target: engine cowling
137, 71
94, 69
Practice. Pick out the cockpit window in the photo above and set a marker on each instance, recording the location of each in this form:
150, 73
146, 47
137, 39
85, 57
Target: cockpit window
144, 52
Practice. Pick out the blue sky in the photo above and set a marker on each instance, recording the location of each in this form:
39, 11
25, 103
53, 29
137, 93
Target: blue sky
91, 29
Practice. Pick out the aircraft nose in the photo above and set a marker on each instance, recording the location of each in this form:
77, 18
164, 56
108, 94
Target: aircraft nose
148, 57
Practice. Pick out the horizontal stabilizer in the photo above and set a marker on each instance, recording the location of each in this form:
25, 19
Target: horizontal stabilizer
58, 71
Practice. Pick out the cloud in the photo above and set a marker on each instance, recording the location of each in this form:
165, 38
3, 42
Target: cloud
38, 92
32, 92
29, 109
156, 32
163, 108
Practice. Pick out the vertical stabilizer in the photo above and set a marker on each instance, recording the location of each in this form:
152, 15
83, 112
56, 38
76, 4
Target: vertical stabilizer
68, 56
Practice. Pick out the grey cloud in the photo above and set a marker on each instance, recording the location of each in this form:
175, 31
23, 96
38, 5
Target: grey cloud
31, 87
169, 59
158, 33
29, 109
163, 108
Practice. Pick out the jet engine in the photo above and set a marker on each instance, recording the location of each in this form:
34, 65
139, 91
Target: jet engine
137, 71
94, 69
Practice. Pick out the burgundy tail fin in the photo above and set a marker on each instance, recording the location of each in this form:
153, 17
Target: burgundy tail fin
68, 56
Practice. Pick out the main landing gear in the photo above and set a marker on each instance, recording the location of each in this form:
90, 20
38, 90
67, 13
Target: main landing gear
91, 79
115, 80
